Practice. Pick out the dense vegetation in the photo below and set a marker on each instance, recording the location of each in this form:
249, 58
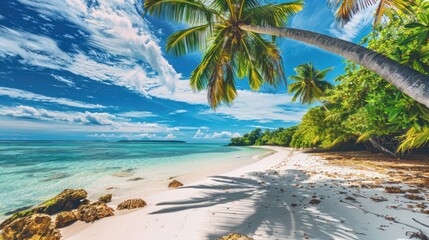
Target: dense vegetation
362, 107
278, 137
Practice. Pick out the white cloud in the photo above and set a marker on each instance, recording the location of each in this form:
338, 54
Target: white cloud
351, 29
199, 134
25, 95
261, 107
170, 136
178, 112
70, 83
137, 114
98, 121
215, 135
115, 27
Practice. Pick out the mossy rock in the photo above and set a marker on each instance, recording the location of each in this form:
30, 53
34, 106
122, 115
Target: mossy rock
131, 204
106, 198
37, 226
66, 218
94, 211
67, 200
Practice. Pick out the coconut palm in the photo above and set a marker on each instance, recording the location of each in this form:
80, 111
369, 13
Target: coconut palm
346, 9
310, 84
229, 34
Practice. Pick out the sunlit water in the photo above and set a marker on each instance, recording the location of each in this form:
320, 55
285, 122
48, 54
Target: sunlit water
33, 171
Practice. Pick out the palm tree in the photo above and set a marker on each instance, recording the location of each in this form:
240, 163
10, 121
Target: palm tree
310, 84
228, 32
346, 9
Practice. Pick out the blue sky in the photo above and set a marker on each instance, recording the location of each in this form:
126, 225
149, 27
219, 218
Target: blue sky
97, 70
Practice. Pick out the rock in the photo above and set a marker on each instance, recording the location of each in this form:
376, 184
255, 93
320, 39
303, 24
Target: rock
67, 200
106, 198
235, 236
131, 204
414, 197
314, 201
66, 218
393, 190
378, 199
35, 227
94, 211
175, 184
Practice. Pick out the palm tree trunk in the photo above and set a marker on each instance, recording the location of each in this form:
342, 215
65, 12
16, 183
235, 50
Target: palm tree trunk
406, 79
378, 146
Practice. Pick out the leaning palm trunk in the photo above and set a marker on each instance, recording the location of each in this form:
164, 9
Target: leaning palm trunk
406, 79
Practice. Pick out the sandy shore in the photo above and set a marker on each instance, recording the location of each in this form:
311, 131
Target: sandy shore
269, 199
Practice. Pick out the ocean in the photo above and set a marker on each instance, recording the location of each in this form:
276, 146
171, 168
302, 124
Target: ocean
34, 171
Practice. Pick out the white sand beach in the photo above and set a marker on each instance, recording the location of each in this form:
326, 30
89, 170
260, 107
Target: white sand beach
268, 199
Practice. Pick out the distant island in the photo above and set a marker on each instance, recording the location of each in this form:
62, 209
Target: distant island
153, 141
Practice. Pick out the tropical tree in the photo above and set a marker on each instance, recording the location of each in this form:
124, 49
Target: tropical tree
310, 84
228, 32
346, 9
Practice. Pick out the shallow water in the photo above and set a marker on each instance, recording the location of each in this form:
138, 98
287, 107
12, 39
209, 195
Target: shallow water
33, 171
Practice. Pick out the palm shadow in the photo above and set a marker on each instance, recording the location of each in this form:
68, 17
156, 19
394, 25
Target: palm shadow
270, 204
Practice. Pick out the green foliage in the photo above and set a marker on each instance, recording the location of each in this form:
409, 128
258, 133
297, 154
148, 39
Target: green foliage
278, 137
228, 51
364, 106
309, 83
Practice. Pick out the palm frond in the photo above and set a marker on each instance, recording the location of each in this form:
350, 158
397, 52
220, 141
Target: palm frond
192, 12
189, 40
274, 15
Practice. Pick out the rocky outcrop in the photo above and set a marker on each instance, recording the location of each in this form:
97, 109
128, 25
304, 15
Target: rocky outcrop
37, 226
106, 198
66, 218
67, 200
131, 204
94, 211
235, 236
175, 184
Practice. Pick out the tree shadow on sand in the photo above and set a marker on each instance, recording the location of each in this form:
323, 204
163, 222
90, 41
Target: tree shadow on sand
269, 205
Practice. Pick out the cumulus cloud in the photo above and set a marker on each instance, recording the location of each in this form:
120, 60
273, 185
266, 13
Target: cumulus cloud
258, 106
25, 95
125, 51
99, 121
215, 135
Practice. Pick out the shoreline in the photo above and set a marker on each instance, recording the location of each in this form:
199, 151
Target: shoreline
287, 194
75, 229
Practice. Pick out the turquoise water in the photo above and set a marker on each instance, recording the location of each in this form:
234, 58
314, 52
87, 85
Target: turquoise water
32, 171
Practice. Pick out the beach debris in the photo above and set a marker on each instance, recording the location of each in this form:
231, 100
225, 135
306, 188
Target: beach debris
235, 236
378, 199
175, 184
413, 197
413, 190
106, 198
131, 204
135, 179
418, 235
37, 226
67, 200
66, 218
349, 198
393, 190
314, 201
94, 211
